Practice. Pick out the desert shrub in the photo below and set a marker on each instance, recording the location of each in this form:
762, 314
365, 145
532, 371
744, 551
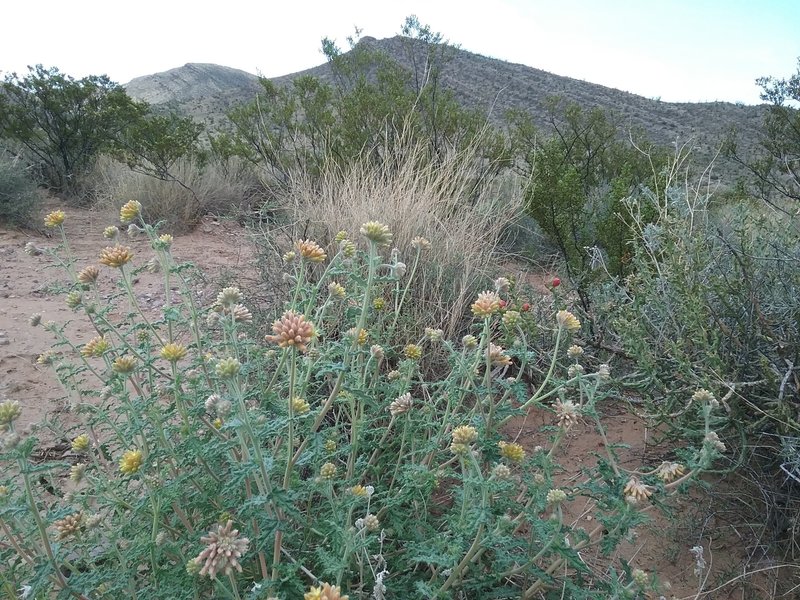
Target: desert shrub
19, 198
181, 201
209, 463
712, 301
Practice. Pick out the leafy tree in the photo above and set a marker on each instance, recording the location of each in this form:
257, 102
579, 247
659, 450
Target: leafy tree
152, 144
775, 174
64, 123
579, 176
372, 103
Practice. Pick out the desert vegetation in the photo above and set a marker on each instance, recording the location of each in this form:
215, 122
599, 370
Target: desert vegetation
358, 434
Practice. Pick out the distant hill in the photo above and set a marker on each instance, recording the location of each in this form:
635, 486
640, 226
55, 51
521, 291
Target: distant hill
207, 91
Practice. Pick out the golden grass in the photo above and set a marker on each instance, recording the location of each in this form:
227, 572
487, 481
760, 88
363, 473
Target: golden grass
463, 221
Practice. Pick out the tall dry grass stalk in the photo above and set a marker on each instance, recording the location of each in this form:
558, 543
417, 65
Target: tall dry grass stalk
464, 221
181, 202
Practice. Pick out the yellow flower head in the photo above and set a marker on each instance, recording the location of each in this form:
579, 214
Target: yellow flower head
95, 347
129, 211
324, 592
359, 491
173, 352
300, 406
377, 232
328, 470
413, 352
309, 250
228, 368
131, 462
9, 412
568, 321
80, 443
336, 289
124, 365
111, 232
512, 451
486, 305
55, 219
464, 434
115, 257
667, 471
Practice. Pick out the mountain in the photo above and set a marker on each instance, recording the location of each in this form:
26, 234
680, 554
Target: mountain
207, 91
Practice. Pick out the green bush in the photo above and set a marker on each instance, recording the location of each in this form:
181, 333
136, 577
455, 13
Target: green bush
209, 463
19, 198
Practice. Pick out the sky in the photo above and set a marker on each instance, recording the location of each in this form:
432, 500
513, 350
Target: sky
675, 50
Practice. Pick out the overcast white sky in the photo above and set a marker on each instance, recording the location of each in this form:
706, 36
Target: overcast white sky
678, 50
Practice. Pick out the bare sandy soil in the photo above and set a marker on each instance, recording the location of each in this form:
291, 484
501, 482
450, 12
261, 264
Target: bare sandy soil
28, 285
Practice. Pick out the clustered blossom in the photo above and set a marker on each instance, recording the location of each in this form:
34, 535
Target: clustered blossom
501, 471
512, 451
311, 251
115, 257
80, 443
703, 396
89, 274
434, 335
420, 243
336, 289
464, 434
668, 471
74, 299
470, 342
497, 356
223, 550
292, 330
69, 526
358, 335
300, 406
129, 211
574, 352
376, 350
55, 219
377, 232
401, 405
635, 491
227, 368
568, 321
111, 232
124, 365
229, 296
502, 284
566, 412
32, 249
325, 592
412, 352
173, 352
640, 577
77, 472
370, 522
130, 462
95, 347
328, 471
511, 318
240, 313
556, 496
712, 439
604, 372
487, 304
9, 412
574, 370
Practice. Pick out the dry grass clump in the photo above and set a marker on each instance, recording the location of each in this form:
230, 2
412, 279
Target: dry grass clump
441, 202
180, 202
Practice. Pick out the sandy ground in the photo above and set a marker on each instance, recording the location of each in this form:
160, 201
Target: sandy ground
28, 285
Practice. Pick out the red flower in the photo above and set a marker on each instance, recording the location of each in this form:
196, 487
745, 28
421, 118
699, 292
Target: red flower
526, 307
556, 282
503, 303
